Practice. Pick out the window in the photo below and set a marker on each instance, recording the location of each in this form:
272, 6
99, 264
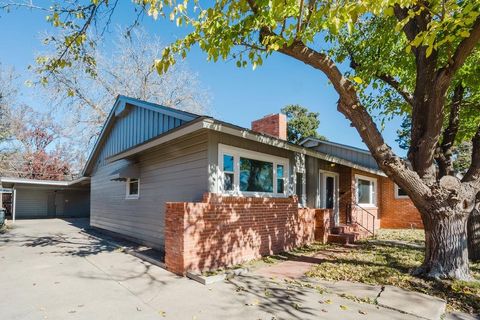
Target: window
244, 171
366, 191
133, 188
400, 193
228, 171
280, 178
256, 175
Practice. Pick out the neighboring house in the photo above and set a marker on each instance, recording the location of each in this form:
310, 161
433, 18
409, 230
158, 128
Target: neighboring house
153, 166
29, 198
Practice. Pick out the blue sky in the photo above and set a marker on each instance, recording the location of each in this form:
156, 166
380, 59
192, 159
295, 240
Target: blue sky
238, 95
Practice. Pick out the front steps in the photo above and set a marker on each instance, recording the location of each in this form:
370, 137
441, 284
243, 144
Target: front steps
347, 234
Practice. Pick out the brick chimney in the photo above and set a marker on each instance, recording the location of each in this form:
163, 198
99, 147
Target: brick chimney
274, 125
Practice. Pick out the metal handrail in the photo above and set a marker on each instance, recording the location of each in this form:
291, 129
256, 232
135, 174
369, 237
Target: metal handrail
349, 219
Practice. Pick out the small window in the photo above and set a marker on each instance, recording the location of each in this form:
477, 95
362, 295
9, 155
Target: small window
280, 179
366, 191
400, 193
133, 188
229, 173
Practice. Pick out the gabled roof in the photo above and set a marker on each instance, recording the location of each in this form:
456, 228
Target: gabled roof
120, 107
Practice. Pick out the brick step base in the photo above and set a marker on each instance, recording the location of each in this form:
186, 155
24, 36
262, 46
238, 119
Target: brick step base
347, 234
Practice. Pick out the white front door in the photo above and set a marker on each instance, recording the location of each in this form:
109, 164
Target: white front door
329, 192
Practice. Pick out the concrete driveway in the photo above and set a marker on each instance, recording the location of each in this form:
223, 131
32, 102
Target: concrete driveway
51, 269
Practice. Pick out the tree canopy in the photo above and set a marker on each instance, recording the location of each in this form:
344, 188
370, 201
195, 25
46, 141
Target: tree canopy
302, 123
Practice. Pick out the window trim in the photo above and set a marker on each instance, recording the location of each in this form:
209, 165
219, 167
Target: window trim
129, 196
397, 196
373, 190
302, 201
238, 153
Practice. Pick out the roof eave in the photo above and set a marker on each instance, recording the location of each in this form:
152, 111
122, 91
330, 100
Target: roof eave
219, 126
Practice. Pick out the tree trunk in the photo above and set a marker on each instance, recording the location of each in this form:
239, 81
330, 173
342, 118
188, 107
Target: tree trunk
446, 253
473, 229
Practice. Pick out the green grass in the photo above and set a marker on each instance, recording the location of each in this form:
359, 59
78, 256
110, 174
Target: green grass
388, 263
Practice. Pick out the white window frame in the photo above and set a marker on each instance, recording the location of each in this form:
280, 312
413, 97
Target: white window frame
129, 196
373, 191
397, 196
238, 153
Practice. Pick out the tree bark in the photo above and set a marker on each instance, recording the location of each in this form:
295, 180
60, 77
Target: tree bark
473, 230
446, 254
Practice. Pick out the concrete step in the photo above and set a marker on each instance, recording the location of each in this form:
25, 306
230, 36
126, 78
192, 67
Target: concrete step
343, 238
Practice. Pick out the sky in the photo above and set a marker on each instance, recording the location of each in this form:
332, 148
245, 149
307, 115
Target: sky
237, 95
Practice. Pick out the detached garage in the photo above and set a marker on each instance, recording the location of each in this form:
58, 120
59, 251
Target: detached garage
26, 198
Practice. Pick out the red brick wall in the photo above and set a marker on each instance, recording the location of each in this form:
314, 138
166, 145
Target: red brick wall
223, 231
274, 125
397, 212
324, 220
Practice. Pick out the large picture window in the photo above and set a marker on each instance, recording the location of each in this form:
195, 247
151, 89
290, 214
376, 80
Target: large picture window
366, 189
256, 175
251, 173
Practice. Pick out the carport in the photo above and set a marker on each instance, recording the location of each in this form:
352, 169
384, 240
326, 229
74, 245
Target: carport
29, 198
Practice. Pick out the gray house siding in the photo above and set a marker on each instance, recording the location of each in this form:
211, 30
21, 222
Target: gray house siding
32, 203
173, 172
314, 166
357, 157
77, 203
51, 202
134, 126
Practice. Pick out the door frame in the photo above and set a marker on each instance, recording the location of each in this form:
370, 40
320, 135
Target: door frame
322, 182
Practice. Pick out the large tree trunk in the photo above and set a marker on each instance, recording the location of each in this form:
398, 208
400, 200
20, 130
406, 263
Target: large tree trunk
446, 254
473, 229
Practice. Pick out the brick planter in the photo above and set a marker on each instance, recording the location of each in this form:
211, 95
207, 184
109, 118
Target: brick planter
223, 231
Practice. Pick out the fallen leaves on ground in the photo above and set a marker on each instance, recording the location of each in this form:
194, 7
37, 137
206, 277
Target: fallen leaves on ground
382, 263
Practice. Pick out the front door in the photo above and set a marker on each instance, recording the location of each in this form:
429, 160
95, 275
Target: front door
329, 192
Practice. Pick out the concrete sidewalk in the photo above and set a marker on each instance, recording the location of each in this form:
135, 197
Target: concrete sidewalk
414, 304
51, 270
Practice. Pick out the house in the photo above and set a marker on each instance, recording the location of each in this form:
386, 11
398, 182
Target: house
30, 198
210, 193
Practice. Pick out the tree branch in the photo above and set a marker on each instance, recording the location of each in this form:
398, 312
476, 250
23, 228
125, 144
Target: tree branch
392, 82
473, 173
350, 106
444, 154
462, 52
388, 79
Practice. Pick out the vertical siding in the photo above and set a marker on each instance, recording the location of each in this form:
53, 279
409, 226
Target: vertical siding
77, 203
51, 201
357, 157
137, 126
174, 172
31, 203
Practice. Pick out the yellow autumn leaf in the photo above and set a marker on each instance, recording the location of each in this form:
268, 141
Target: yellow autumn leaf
358, 80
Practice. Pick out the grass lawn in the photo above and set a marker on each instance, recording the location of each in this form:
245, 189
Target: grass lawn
388, 260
